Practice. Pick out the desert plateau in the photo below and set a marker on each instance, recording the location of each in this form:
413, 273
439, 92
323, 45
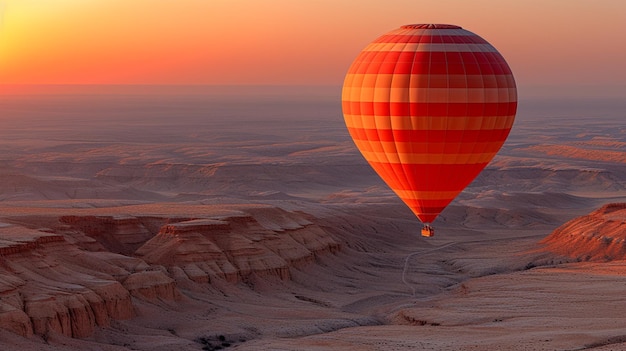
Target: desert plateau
219, 218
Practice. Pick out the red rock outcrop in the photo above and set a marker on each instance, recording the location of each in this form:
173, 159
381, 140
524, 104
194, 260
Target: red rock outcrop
598, 236
183, 244
152, 285
120, 234
262, 240
45, 287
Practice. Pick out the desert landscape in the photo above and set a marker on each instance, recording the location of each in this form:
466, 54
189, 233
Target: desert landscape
246, 219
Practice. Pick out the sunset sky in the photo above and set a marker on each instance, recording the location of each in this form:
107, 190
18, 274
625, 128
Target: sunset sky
566, 44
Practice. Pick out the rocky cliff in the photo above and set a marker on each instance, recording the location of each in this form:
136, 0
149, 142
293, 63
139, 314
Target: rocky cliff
598, 236
81, 270
45, 285
261, 241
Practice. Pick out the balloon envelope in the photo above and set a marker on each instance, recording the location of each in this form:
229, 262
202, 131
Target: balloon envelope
428, 106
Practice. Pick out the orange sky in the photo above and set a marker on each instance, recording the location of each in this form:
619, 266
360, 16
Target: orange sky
546, 42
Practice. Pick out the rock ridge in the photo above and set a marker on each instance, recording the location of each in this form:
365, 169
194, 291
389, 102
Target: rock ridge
598, 236
84, 271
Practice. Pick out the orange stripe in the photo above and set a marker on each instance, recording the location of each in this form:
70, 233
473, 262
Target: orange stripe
426, 195
428, 147
429, 135
428, 159
426, 37
484, 81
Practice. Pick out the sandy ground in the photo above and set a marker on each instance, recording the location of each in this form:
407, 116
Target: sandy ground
483, 283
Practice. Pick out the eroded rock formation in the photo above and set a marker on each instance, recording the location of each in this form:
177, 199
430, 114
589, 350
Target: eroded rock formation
86, 270
598, 236
44, 288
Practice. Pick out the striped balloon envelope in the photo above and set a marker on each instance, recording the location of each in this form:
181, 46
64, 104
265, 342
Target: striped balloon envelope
429, 106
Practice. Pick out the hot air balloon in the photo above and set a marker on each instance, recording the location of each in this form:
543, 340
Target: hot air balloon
429, 106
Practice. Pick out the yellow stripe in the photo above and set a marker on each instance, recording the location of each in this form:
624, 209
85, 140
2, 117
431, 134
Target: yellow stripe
385, 93
429, 123
427, 159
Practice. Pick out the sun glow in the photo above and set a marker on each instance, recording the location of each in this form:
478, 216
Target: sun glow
288, 42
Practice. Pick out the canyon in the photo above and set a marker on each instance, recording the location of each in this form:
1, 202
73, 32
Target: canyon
195, 222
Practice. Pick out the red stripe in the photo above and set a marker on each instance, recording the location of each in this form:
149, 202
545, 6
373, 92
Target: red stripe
426, 214
444, 177
429, 136
429, 109
427, 218
427, 206
433, 62
436, 39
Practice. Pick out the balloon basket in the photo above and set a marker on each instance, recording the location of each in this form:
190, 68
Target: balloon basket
428, 231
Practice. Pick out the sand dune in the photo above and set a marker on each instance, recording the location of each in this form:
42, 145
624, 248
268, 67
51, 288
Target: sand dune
197, 222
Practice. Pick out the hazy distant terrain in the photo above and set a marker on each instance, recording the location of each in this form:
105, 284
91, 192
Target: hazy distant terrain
165, 220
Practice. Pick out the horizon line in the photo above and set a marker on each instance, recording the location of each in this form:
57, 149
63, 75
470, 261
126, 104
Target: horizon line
160, 88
